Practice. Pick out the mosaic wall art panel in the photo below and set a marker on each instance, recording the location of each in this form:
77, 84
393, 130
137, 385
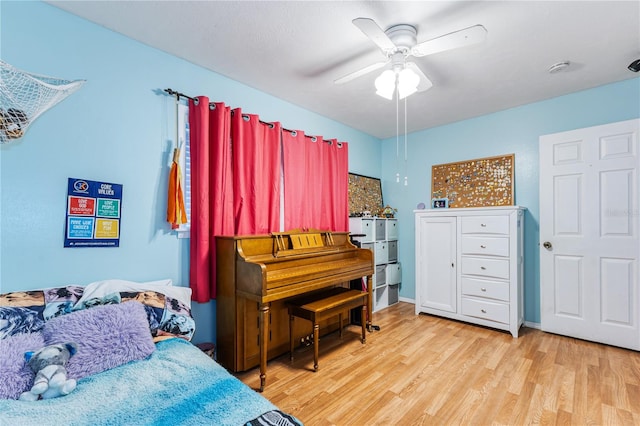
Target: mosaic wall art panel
475, 183
365, 194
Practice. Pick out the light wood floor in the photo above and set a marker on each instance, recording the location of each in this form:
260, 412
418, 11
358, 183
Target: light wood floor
425, 370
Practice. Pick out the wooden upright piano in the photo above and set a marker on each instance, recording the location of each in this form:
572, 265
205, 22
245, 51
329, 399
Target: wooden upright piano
255, 276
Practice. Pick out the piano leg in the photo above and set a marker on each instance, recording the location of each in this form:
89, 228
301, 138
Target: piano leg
291, 320
369, 302
264, 339
362, 321
316, 338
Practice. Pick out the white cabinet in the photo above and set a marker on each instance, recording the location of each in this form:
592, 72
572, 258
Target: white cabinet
436, 278
380, 235
469, 265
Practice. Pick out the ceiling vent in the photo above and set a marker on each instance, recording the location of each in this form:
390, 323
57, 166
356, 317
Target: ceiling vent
559, 67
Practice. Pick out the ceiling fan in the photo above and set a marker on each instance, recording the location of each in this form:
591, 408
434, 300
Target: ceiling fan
398, 43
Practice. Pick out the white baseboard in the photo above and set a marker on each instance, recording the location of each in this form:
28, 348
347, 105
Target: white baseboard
530, 324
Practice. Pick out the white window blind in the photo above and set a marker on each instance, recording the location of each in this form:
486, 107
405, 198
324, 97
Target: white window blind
185, 166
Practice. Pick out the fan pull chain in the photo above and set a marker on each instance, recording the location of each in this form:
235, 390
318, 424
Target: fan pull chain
397, 139
406, 179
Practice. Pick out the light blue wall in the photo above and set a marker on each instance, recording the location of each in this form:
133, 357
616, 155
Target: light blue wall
512, 131
117, 128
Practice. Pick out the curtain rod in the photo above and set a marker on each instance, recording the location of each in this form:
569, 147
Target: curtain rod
179, 95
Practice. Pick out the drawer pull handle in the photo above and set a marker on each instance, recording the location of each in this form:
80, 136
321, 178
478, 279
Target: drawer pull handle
483, 246
483, 289
484, 225
483, 268
483, 311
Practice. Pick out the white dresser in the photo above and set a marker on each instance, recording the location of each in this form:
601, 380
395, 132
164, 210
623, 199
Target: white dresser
469, 265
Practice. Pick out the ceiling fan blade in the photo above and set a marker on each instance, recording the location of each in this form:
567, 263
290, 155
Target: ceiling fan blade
375, 33
360, 72
464, 37
425, 83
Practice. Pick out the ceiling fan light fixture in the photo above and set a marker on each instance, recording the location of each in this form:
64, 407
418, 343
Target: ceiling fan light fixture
386, 84
408, 82
398, 43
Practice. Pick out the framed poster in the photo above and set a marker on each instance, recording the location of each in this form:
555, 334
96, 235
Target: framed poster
475, 183
365, 195
93, 214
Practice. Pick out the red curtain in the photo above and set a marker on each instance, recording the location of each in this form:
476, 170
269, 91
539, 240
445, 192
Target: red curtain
211, 192
256, 181
336, 186
316, 180
297, 173
235, 183
314, 192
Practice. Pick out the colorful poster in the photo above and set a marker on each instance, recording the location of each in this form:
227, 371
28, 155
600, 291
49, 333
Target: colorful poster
94, 212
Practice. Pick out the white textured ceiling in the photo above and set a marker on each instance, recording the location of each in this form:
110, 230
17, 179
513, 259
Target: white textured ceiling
295, 49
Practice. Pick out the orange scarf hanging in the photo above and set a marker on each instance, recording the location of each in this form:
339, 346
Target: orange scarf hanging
176, 213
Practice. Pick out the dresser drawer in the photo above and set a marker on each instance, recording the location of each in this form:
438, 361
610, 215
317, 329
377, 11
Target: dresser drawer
492, 311
490, 246
485, 267
498, 290
484, 225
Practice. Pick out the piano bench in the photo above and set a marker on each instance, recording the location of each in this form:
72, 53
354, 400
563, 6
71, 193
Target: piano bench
324, 305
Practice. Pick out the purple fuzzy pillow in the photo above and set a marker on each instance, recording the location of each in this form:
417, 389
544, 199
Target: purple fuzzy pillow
107, 336
15, 375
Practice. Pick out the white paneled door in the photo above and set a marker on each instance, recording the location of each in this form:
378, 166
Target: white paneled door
589, 224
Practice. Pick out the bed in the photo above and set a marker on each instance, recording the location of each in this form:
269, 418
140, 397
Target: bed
134, 363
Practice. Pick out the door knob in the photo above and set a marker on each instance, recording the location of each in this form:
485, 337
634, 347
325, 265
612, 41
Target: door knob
547, 245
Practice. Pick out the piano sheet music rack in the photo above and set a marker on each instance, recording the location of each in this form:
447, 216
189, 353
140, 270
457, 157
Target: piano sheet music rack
299, 242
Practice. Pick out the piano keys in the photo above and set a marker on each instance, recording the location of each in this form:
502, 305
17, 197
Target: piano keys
255, 276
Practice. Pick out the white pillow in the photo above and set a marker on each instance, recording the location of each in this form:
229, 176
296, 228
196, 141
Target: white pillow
117, 282
101, 289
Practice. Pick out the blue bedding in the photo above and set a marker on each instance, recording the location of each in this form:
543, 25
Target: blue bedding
176, 385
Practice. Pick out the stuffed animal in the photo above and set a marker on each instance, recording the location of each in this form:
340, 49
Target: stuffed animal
51, 375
